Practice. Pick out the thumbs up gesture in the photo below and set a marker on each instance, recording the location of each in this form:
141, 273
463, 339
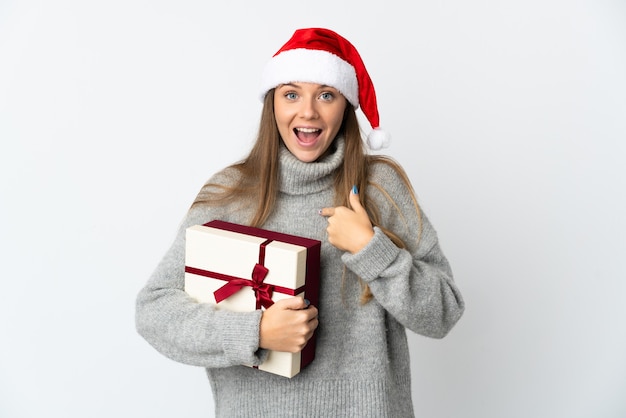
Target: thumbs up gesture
349, 229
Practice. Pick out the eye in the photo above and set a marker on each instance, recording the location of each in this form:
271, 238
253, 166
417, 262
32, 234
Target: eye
327, 96
291, 95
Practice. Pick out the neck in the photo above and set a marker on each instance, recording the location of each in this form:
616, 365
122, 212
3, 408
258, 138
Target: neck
297, 177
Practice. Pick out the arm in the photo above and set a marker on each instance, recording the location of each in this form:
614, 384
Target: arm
415, 284
198, 334
187, 331
417, 290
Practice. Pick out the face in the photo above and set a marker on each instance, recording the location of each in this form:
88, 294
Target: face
309, 117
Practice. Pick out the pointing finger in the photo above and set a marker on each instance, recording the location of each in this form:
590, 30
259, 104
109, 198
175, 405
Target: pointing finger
327, 211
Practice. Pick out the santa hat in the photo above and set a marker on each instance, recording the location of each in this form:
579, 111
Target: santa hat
322, 56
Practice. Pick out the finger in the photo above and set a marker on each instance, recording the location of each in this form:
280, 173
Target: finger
355, 203
327, 211
312, 313
295, 303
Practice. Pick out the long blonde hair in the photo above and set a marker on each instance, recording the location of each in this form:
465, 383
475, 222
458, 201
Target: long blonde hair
258, 180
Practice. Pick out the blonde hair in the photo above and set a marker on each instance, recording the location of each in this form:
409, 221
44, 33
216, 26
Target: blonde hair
258, 176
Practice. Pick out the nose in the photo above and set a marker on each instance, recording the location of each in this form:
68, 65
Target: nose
309, 108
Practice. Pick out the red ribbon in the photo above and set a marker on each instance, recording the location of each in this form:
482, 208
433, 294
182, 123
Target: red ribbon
262, 291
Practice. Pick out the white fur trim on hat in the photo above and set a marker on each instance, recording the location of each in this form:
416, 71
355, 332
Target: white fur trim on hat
311, 66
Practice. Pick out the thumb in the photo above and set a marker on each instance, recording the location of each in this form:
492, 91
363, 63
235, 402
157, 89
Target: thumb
293, 303
355, 203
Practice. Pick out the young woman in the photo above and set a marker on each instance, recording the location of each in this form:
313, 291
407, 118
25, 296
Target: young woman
382, 270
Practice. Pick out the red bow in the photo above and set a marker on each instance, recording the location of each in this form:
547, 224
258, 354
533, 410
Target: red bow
262, 291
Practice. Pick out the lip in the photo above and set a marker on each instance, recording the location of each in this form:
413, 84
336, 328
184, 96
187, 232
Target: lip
307, 136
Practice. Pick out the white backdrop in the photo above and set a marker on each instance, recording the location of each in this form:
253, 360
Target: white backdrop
509, 116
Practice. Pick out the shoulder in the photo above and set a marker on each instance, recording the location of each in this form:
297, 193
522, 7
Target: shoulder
225, 179
228, 176
387, 174
224, 197
392, 192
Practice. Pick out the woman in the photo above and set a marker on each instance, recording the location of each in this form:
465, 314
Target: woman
382, 270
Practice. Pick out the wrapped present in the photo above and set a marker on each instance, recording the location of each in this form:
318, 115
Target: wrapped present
241, 268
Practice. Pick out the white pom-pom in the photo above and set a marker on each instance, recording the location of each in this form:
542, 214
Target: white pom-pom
378, 139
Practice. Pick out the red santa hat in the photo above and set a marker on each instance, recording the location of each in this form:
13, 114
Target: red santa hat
321, 56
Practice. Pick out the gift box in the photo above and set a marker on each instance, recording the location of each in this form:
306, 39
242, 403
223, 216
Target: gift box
242, 268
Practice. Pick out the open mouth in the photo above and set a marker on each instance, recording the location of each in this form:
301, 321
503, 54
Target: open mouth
307, 135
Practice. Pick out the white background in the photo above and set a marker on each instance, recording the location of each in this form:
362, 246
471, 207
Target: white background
510, 117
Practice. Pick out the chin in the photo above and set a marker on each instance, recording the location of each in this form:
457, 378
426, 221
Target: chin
307, 158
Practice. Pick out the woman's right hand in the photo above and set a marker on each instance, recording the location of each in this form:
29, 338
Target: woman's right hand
287, 325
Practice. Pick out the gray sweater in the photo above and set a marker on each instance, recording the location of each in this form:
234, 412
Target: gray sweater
361, 367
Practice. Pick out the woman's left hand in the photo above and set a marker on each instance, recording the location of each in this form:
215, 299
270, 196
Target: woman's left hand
349, 229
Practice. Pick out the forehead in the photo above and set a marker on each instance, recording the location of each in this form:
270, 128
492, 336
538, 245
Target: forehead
306, 86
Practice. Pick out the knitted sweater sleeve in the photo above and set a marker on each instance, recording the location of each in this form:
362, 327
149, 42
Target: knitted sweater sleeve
187, 331
415, 285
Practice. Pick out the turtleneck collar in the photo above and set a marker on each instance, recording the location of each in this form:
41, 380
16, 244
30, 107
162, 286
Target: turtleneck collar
297, 177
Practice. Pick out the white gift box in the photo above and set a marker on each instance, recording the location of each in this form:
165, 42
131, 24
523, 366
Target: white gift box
241, 268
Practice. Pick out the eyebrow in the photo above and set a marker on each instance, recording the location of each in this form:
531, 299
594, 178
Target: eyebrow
321, 86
